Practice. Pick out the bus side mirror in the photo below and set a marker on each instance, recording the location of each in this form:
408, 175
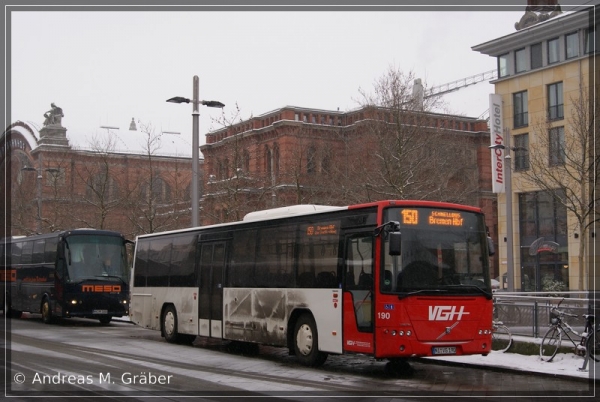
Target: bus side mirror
395, 239
491, 250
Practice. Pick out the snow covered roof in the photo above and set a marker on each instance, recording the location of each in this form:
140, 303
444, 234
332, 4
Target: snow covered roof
126, 141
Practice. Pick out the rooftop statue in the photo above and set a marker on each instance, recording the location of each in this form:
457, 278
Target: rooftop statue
53, 116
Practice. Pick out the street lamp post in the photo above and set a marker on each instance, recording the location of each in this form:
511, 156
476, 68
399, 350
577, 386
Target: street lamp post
510, 274
39, 178
195, 141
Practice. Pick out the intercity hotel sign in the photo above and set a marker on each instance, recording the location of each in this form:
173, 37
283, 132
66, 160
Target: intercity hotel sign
497, 138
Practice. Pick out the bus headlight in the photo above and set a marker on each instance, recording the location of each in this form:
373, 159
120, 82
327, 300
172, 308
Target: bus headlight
73, 301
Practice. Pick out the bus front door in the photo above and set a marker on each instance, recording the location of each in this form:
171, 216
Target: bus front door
358, 293
210, 309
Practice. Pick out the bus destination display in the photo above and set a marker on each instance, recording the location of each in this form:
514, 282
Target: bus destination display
432, 217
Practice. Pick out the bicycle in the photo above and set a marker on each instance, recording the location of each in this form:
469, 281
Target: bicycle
501, 335
588, 345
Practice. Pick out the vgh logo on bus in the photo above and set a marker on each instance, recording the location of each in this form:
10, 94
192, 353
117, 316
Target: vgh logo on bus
445, 313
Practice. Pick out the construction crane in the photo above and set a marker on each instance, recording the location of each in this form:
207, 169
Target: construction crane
463, 82
419, 93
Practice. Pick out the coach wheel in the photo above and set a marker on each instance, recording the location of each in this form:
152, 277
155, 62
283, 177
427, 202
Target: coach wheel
105, 319
170, 325
306, 342
46, 311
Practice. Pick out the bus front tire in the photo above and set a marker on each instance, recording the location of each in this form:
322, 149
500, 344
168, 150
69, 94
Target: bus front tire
169, 325
306, 342
46, 312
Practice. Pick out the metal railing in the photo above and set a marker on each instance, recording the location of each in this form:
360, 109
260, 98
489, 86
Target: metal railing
528, 313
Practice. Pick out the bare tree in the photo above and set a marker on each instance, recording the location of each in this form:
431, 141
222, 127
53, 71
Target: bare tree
564, 163
101, 187
155, 191
409, 157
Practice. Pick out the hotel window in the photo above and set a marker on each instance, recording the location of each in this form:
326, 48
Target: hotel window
590, 45
572, 45
536, 56
520, 60
553, 51
555, 101
503, 65
521, 151
520, 110
556, 149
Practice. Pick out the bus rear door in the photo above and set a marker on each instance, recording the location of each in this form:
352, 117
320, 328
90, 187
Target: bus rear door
210, 309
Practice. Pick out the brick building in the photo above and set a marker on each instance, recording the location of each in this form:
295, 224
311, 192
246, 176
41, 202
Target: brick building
132, 181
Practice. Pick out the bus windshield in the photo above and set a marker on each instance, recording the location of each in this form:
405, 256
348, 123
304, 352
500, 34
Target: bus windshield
96, 257
442, 251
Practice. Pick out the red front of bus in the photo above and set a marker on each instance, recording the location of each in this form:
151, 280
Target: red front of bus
430, 326
433, 294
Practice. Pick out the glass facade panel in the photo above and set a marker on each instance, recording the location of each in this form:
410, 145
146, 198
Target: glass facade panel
542, 218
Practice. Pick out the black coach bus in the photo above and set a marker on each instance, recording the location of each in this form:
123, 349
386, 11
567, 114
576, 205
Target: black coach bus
73, 273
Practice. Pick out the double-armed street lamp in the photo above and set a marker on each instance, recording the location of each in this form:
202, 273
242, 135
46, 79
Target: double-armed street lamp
195, 141
39, 191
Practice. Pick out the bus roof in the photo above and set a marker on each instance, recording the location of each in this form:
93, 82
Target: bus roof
293, 210
308, 209
70, 232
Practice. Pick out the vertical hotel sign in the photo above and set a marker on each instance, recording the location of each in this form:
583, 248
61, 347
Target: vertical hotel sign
497, 138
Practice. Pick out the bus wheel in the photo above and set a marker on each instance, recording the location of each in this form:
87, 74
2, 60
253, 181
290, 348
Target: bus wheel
306, 342
46, 312
169, 325
105, 319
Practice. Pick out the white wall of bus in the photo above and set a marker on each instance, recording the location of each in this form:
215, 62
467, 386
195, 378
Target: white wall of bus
325, 305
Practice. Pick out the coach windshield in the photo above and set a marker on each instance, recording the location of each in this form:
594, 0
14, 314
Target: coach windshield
96, 257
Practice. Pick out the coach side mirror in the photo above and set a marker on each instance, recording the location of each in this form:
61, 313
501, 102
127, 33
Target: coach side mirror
395, 239
491, 249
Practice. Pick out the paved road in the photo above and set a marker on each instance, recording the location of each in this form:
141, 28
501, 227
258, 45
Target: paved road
84, 358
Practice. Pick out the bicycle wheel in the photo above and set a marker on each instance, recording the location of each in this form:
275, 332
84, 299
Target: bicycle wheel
550, 344
592, 345
501, 338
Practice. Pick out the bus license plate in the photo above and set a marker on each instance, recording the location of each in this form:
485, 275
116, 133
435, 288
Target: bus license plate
99, 311
450, 350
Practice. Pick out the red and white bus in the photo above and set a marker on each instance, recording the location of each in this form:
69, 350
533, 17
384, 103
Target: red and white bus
391, 279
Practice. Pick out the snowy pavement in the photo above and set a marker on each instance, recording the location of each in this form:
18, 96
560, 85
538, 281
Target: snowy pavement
563, 364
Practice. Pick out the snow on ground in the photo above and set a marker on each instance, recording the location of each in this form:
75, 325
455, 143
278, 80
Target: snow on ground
564, 364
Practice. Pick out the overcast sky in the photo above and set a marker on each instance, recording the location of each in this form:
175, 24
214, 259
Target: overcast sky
103, 68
